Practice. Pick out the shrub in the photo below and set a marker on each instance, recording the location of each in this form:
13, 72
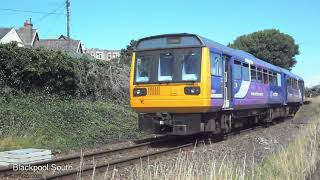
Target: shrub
54, 72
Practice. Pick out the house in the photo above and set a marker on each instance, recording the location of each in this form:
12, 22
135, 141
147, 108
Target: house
103, 54
28, 37
70, 46
8, 35
27, 34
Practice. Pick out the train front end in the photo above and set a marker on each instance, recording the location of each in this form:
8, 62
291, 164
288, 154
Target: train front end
170, 83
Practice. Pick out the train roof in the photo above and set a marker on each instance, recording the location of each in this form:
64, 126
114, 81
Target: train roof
192, 40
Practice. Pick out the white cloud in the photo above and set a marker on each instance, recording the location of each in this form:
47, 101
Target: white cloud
312, 81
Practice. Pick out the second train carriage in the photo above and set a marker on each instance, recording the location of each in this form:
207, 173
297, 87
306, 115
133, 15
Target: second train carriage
185, 84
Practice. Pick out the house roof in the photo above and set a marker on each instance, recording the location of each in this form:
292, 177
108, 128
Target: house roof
98, 49
65, 37
70, 46
4, 31
27, 35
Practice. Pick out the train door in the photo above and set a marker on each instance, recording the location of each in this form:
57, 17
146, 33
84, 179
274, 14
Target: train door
227, 83
285, 89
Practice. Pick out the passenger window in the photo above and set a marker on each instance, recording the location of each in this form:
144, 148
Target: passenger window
265, 76
300, 84
253, 73
216, 64
245, 72
165, 69
278, 78
237, 70
274, 79
271, 79
259, 75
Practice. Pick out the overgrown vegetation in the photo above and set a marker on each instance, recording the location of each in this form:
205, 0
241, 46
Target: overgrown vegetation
54, 72
313, 91
50, 99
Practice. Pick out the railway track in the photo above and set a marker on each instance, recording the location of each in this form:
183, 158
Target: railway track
117, 158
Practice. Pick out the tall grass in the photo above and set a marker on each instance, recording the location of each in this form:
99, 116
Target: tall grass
297, 161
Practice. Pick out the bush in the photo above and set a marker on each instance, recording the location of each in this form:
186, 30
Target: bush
54, 72
313, 91
38, 69
101, 80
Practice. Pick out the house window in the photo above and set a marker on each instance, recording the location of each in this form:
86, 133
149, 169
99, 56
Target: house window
99, 55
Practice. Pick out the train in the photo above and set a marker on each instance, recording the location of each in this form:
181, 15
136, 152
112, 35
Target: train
184, 84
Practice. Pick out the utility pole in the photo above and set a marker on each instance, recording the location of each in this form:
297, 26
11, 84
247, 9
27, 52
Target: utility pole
68, 18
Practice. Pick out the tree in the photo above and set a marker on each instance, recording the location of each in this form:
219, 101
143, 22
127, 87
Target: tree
269, 45
125, 54
128, 50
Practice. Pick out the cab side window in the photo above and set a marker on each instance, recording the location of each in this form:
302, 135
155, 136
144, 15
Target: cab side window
216, 64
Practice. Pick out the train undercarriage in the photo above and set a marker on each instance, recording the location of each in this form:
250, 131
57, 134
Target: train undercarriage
219, 122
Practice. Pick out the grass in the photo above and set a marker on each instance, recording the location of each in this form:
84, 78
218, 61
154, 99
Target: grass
60, 124
297, 161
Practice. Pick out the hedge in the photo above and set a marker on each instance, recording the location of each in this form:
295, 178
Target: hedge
30, 70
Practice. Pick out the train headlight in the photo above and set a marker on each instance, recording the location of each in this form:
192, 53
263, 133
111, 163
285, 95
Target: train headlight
192, 90
139, 91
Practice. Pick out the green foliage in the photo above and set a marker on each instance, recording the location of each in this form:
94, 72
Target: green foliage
37, 69
313, 91
54, 72
51, 122
127, 52
46, 100
269, 45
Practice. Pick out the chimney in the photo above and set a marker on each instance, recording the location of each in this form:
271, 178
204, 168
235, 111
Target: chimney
28, 24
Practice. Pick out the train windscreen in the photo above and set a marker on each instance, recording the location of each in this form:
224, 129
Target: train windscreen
165, 66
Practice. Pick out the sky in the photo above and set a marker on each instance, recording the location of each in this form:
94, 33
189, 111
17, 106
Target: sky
111, 24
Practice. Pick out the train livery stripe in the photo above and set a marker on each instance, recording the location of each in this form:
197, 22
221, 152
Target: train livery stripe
216, 95
244, 87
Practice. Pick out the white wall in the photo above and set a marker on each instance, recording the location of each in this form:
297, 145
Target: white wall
12, 36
